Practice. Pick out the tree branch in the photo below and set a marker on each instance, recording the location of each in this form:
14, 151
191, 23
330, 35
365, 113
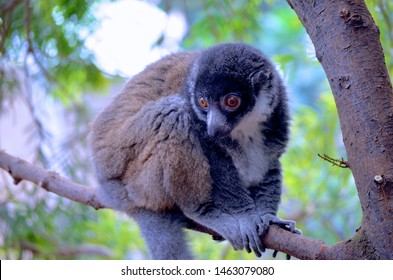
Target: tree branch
276, 239
48, 180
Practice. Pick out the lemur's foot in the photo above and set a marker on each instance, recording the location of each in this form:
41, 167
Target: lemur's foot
284, 224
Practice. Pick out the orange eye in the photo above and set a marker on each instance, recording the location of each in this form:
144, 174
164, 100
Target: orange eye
232, 102
203, 103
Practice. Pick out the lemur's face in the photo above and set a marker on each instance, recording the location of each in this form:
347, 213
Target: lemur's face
221, 101
230, 87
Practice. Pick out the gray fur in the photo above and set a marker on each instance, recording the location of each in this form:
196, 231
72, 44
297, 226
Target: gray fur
163, 233
163, 159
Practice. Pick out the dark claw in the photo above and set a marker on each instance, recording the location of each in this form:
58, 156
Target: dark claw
258, 254
217, 238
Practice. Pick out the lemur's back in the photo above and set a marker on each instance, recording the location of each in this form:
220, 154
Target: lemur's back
162, 78
142, 144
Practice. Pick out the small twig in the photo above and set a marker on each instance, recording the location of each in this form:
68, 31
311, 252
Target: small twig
335, 162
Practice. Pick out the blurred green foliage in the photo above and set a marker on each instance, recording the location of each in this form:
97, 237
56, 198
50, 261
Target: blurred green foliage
381, 10
322, 198
52, 34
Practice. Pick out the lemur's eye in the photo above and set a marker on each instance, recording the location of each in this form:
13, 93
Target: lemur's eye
232, 102
203, 103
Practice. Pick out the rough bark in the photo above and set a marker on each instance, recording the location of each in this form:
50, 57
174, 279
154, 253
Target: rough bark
347, 44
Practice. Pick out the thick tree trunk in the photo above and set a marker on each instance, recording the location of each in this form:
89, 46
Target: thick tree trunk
347, 45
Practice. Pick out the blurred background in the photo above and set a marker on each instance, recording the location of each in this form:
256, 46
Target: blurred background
62, 61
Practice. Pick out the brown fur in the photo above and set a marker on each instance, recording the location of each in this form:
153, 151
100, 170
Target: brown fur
142, 140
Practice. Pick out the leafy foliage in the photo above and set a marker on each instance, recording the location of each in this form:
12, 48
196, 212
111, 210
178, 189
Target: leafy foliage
50, 35
225, 21
42, 49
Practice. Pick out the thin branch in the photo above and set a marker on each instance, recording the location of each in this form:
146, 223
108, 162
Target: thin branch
50, 181
277, 238
297, 245
335, 162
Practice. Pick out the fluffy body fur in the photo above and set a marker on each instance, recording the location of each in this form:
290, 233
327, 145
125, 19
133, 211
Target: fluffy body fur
163, 159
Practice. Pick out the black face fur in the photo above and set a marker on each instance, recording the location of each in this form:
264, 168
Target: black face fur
215, 89
228, 69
